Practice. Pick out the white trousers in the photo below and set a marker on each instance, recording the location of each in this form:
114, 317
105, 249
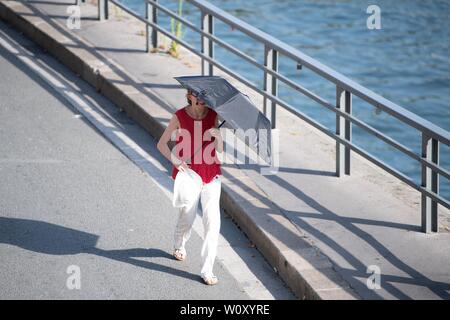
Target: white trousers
209, 195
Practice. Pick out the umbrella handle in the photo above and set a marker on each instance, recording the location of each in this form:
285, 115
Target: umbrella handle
223, 122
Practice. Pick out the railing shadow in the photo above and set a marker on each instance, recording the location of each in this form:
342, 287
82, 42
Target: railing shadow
54, 16
56, 3
304, 171
439, 288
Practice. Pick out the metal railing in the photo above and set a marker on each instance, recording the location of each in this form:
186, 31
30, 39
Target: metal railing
432, 135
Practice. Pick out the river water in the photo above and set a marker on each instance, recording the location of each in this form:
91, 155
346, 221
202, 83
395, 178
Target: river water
407, 60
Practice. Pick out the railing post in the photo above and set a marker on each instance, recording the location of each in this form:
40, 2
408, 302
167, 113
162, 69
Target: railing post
270, 82
207, 44
102, 9
151, 14
430, 181
344, 130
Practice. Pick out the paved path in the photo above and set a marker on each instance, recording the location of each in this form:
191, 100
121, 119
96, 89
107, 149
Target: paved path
70, 197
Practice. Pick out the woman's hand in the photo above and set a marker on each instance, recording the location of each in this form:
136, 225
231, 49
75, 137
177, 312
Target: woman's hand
181, 165
214, 132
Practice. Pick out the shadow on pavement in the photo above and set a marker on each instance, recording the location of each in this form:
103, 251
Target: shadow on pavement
49, 238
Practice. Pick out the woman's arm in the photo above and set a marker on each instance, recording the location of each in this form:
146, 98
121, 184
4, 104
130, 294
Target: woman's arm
163, 144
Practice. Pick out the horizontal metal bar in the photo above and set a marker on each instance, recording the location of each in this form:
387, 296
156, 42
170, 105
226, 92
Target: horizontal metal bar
373, 131
353, 147
328, 73
206, 34
363, 153
391, 170
306, 92
390, 141
402, 148
435, 197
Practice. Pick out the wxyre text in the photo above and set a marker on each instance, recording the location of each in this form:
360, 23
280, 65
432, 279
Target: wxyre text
238, 309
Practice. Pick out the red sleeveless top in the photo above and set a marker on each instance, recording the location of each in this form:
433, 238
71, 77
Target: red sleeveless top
204, 161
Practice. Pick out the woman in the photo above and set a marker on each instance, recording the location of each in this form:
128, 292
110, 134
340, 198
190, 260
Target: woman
204, 162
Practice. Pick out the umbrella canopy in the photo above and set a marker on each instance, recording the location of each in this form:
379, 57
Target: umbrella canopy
235, 108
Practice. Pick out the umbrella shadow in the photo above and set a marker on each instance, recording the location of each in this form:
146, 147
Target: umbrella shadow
52, 239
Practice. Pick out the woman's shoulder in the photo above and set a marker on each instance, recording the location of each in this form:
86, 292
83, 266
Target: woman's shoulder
212, 112
180, 111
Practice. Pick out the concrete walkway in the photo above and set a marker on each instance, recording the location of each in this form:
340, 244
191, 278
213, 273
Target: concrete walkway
324, 231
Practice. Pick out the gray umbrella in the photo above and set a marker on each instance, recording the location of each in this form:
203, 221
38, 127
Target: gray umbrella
235, 108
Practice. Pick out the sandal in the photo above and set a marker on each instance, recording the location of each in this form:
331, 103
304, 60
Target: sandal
179, 255
210, 281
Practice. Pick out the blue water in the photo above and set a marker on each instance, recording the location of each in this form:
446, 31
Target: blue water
407, 61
